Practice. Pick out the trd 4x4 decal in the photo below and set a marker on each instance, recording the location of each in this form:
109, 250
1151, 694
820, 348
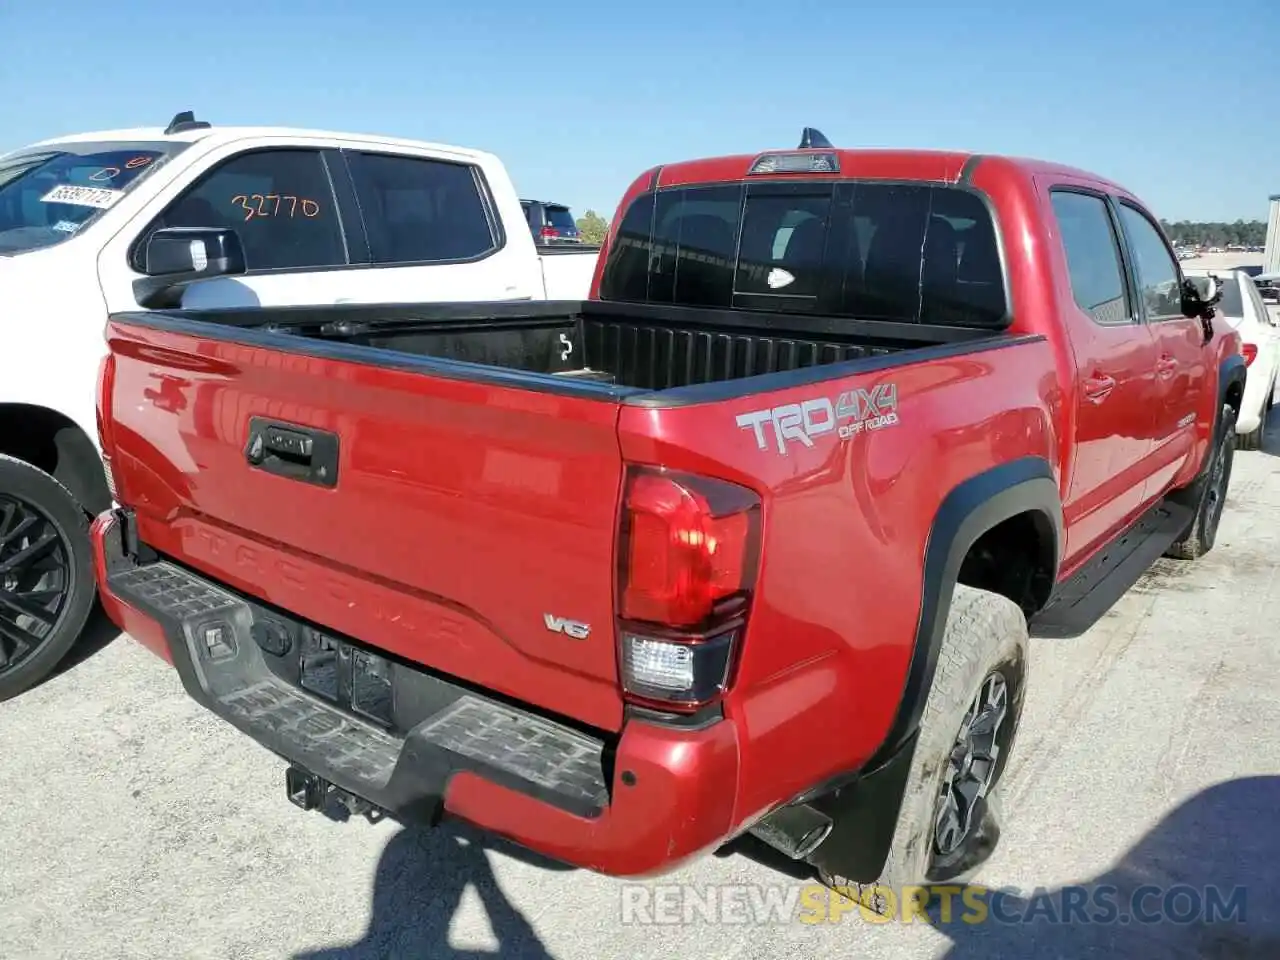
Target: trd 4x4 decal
853, 412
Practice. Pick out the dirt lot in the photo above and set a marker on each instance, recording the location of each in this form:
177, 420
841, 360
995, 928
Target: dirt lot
138, 826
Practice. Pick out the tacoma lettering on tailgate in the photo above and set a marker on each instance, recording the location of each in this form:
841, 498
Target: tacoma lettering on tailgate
853, 412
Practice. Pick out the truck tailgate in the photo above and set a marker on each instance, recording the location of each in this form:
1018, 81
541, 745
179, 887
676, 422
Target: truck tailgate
567, 271
464, 526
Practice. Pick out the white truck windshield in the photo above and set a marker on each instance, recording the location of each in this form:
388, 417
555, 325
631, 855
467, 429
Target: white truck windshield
48, 195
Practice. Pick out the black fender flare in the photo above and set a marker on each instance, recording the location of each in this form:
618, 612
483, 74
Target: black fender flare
973, 507
1231, 371
865, 805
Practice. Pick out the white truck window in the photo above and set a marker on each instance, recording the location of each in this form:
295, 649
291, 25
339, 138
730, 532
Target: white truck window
419, 210
278, 201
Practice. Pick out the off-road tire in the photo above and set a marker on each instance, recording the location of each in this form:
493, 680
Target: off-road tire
985, 633
38, 490
1210, 494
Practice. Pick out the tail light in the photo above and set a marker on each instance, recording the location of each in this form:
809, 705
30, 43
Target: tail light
687, 567
1250, 351
547, 232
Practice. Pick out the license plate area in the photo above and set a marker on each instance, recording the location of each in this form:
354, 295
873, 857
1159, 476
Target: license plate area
348, 677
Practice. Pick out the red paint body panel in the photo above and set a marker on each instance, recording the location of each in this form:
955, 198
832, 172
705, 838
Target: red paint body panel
465, 511
845, 531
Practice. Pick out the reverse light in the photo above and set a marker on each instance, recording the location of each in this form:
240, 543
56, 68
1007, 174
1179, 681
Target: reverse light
1250, 351
685, 671
688, 560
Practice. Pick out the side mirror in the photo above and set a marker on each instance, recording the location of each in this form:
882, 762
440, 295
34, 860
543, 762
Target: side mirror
205, 251
177, 256
1199, 295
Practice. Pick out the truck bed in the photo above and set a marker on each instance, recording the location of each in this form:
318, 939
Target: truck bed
614, 349
443, 482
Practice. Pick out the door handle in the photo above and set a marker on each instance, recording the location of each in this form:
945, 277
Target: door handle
1166, 367
1098, 388
293, 451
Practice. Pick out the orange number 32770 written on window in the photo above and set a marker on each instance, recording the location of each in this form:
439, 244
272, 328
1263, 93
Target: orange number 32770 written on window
276, 205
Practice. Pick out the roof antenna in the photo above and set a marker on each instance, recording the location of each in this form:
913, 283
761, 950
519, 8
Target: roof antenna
812, 138
186, 120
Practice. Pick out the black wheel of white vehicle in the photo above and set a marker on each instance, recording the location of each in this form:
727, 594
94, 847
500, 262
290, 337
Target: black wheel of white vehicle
46, 575
948, 824
1212, 499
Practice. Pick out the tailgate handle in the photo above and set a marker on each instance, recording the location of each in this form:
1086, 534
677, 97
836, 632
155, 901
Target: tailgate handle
293, 451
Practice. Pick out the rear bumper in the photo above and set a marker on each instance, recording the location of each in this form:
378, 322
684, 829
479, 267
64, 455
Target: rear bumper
636, 804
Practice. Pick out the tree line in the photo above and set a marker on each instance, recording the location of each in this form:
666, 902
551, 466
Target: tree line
1243, 233
593, 227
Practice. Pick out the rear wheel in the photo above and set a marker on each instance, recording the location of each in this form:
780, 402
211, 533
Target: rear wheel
948, 824
1203, 532
46, 575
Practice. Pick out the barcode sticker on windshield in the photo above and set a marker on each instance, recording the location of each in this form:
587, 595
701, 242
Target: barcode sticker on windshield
100, 197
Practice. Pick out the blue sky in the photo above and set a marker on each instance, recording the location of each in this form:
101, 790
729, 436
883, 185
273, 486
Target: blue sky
1178, 102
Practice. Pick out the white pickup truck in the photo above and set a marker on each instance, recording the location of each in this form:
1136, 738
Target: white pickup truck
89, 226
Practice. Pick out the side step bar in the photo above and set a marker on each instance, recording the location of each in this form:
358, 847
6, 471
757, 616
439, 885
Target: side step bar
1081, 601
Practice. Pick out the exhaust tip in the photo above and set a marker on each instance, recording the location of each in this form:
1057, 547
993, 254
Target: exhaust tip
795, 831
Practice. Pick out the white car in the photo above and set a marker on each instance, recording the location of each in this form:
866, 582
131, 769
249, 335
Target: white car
99, 223
1243, 308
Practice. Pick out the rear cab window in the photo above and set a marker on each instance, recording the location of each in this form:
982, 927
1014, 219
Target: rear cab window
560, 218
898, 252
1231, 306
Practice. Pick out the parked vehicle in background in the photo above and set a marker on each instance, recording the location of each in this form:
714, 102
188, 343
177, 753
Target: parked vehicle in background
1268, 285
1243, 308
752, 541
118, 221
551, 222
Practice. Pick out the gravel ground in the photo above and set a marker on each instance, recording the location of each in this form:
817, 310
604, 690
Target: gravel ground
139, 826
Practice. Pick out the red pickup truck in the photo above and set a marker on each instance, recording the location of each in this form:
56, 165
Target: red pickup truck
751, 541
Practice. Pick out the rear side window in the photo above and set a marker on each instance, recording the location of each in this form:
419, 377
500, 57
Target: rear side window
418, 210
906, 253
1093, 255
278, 201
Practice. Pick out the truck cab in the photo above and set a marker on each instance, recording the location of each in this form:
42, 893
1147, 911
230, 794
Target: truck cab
318, 218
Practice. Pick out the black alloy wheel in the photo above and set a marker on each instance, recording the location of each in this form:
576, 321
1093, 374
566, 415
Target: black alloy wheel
971, 768
35, 580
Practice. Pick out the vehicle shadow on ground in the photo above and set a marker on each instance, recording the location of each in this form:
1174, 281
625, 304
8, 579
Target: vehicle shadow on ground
98, 634
419, 885
1204, 883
